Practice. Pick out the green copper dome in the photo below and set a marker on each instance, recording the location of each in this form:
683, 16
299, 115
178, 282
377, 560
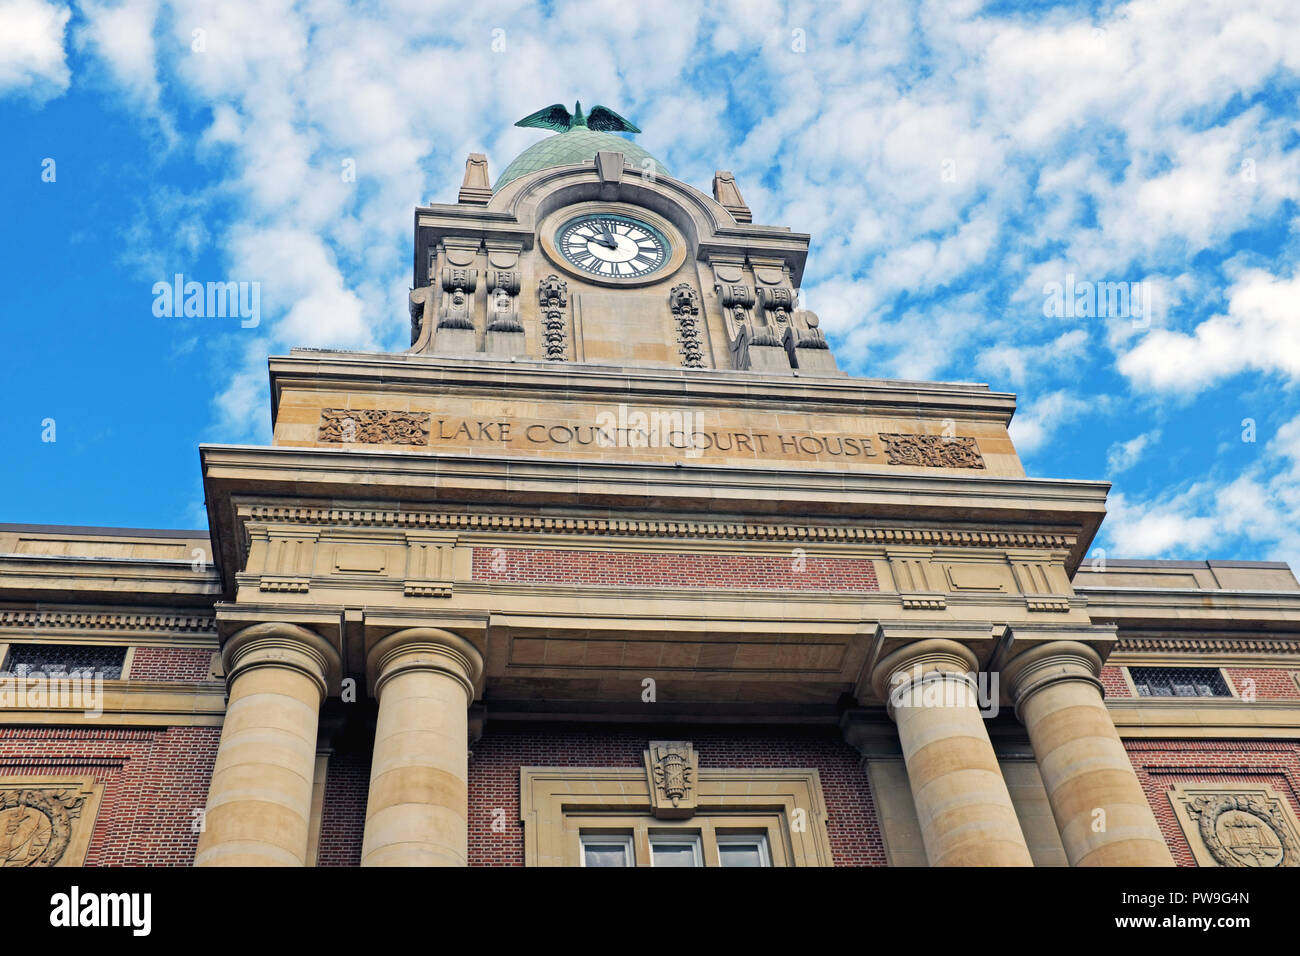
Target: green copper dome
578, 145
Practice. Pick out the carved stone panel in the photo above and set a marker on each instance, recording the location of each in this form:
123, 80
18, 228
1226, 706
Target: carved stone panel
932, 451
373, 426
1237, 825
47, 821
672, 767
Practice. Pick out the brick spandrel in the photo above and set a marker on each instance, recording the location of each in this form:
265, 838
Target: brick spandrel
796, 571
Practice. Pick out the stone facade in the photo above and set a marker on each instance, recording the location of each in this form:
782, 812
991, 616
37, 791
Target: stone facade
628, 559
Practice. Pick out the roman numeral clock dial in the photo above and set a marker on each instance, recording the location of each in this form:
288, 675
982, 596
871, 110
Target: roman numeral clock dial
612, 247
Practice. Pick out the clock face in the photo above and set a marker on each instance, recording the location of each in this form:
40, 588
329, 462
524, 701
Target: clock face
612, 247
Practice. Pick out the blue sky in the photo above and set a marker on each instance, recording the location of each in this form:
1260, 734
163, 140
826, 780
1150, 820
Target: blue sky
953, 163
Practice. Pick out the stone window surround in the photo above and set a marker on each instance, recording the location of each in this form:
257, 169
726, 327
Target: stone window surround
558, 804
34, 639
1234, 695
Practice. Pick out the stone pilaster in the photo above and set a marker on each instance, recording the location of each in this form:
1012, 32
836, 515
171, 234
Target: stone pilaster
417, 813
1099, 805
962, 803
259, 802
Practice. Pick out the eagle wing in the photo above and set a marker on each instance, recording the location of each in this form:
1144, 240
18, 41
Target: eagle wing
555, 117
605, 120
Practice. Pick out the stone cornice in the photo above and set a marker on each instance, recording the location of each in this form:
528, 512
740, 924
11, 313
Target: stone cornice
688, 387
1191, 609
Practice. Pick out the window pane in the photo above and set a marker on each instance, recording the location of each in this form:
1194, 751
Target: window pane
1179, 682
740, 854
605, 854
674, 854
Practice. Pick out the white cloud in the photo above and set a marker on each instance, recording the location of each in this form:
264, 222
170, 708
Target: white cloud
1261, 332
1255, 509
1032, 429
1123, 455
32, 59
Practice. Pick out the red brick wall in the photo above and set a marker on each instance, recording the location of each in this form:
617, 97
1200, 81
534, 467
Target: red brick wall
494, 776
1269, 683
343, 810
171, 663
153, 781
796, 571
1112, 680
1161, 763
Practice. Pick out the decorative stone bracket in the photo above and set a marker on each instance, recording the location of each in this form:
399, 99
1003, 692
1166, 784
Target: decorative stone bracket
685, 305
429, 569
672, 768
553, 296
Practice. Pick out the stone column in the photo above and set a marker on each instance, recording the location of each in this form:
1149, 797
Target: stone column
1099, 805
962, 802
418, 813
259, 801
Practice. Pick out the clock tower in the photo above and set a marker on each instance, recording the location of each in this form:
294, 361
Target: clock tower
587, 251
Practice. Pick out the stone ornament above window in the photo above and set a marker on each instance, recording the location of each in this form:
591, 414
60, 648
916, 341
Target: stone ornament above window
46, 821
1237, 825
672, 767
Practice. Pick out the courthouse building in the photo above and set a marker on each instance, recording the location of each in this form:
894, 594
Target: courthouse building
615, 566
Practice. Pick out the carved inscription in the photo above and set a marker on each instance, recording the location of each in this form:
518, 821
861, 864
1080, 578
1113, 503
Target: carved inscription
932, 451
373, 426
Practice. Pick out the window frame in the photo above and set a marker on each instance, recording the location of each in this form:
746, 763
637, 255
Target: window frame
677, 838
741, 838
620, 837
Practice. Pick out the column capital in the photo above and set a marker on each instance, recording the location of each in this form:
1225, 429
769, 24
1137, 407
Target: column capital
934, 659
1043, 665
282, 645
425, 648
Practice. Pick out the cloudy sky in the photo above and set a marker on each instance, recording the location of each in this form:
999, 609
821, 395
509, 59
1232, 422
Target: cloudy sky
968, 173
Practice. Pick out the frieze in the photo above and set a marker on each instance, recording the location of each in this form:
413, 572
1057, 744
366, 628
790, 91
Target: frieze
355, 517
932, 451
1197, 645
374, 426
107, 621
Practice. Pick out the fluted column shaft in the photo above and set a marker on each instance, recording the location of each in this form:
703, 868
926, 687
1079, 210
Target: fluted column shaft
962, 802
417, 813
259, 800
1100, 807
